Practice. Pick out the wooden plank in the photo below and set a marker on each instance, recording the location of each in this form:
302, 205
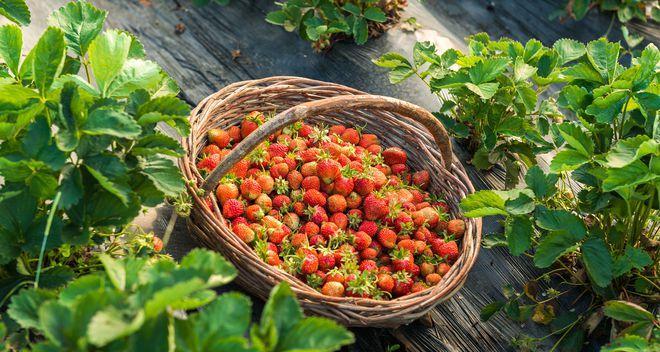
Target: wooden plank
201, 60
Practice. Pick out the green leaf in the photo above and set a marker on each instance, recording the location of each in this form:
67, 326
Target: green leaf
523, 204
235, 310
24, 306
315, 334
276, 17
527, 96
164, 174
598, 261
111, 122
560, 220
576, 138
482, 203
487, 70
583, 71
115, 271
632, 39
171, 295
567, 160
647, 62
632, 258
42, 185
135, 74
490, 309
49, 54
109, 325
16, 11
352, 8
604, 56
554, 245
81, 23
375, 14
532, 49
111, 173
392, 60
281, 311
157, 144
210, 265
626, 151
484, 90
11, 43
628, 343
627, 311
580, 8
71, 187
522, 71
55, 321
541, 184
518, 231
631, 175
606, 108
568, 50
360, 31
399, 74
107, 55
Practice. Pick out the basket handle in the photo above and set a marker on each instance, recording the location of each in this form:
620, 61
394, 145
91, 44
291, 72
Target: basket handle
319, 107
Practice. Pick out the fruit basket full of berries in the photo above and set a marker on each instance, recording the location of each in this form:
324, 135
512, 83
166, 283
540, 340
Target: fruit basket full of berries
349, 197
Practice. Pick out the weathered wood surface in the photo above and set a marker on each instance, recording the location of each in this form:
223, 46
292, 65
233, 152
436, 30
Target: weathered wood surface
200, 59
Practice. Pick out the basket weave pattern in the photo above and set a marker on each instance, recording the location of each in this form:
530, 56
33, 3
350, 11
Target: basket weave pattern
394, 122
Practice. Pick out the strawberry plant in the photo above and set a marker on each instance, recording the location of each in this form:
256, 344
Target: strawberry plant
592, 218
80, 154
490, 95
137, 302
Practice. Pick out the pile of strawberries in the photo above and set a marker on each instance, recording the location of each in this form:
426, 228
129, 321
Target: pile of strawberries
336, 209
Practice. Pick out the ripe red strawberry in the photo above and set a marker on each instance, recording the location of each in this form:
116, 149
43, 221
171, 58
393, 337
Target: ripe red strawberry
418, 286
317, 240
442, 269
266, 182
337, 129
272, 258
403, 223
367, 140
254, 213
310, 264
239, 220
235, 133
422, 234
369, 227
402, 259
368, 265
351, 135
295, 179
433, 279
232, 208
335, 275
340, 219
291, 220
305, 130
400, 169
344, 185
209, 163
378, 178
211, 149
158, 244
327, 187
317, 214
277, 235
336, 203
226, 191
420, 247
326, 259
387, 237
250, 189
421, 179
333, 289
311, 182
309, 155
279, 170
408, 244
244, 232
313, 197
394, 155
240, 168
426, 268
281, 202
369, 253
385, 282
328, 170
402, 284
364, 186
219, 137
456, 228
329, 229
250, 123
277, 149
374, 208
362, 240
264, 202
299, 239
310, 229
447, 250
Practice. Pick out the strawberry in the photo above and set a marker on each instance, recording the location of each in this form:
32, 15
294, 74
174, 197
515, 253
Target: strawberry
368, 140
254, 213
335, 275
328, 170
298, 208
432, 279
385, 282
235, 133
369, 227
420, 247
354, 218
368, 265
350, 135
394, 155
316, 214
337, 129
317, 240
418, 286
340, 219
364, 186
343, 185
232, 208
299, 239
329, 229
442, 269
362, 240
422, 234
333, 289
456, 228
281, 202
279, 170
305, 130
311, 182
226, 191
244, 232
271, 222
219, 137
378, 178
157, 243
291, 220
401, 259
426, 268
309, 155
353, 200
277, 149
408, 244
240, 168
326, 259
421, 179
295, 179
264, 202
399, 169
310, 264
313, 197
209, 163
327, 188
403, 223
369, 253
310, 229
387, 237
402, 284
277, 235
374, 208
250, 189
250, 123
211, 149
336, 203
266, 182
447, 250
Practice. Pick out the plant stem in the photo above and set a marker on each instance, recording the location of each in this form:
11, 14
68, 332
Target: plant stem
49, 223
170, 227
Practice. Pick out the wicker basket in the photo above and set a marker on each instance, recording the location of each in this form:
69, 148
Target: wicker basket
293, 98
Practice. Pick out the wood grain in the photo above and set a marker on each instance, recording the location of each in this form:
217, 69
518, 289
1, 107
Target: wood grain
202, 60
